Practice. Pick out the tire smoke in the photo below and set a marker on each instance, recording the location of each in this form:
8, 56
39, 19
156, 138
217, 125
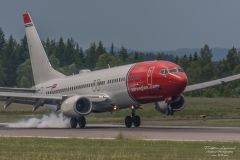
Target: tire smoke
47, 121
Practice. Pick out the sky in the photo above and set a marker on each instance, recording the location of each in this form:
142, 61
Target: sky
153, 25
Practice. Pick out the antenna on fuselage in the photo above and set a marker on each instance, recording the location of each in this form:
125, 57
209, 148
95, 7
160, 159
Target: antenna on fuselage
109, 66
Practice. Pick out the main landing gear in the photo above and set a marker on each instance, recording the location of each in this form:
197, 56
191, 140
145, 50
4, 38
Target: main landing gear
133, 119
81, 121
169, 110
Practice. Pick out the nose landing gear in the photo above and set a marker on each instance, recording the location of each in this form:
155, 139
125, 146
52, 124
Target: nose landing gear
169, 110
133, 119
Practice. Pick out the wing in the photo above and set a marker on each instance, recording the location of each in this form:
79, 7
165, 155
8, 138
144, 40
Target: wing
37, 99
211, 83
29, 90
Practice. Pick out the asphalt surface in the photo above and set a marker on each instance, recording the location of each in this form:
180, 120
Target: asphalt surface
108, 131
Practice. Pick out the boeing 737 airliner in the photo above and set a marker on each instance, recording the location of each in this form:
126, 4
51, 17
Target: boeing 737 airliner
107, 90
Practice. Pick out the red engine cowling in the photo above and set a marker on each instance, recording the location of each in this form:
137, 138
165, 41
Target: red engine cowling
76, 106
177, 105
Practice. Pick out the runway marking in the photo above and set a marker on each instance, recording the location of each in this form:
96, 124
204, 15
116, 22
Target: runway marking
122, 126
110, 132
47, 137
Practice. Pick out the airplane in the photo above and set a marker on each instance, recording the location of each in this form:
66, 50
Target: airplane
129, 86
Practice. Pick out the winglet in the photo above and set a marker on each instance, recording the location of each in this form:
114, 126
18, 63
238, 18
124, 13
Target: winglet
27, 18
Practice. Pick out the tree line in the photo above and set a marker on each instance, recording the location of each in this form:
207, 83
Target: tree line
69, 58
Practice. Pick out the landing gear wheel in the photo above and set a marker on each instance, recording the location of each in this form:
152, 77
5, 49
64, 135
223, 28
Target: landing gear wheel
128, 121
73, 122
167, 112
82, 122
137, 121
171, 112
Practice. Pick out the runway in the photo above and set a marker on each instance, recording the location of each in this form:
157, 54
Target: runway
109, 131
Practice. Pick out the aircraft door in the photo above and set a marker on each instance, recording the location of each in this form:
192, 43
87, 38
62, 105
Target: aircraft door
98, 85
94, 86
149, 75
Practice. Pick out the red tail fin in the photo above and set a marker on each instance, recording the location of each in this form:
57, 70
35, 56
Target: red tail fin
27, 18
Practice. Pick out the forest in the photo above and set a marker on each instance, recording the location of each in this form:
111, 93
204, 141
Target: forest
68, 57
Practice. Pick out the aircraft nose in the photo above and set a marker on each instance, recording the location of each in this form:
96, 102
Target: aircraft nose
180, 82
183, 80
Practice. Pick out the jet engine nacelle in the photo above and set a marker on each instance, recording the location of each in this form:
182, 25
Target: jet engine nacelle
76, 106
177, 104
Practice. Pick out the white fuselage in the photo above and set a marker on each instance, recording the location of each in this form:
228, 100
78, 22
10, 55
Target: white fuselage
110, 82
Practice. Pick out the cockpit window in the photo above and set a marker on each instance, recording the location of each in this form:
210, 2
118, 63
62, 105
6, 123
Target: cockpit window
172, 70
166, 71
180, 70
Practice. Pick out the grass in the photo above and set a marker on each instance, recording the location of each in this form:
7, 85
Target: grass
225, 110
40, 148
